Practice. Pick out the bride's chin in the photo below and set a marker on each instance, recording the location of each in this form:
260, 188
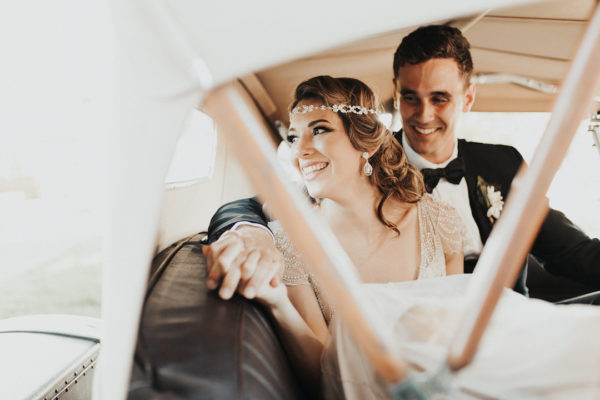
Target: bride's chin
315, 193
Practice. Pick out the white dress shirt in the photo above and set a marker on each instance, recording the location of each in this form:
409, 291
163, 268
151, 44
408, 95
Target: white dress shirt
455, 195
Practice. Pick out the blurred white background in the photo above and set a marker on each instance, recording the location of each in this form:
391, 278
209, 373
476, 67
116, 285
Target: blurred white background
56, 92
56, 95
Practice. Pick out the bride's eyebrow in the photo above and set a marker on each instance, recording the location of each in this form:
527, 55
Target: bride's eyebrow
312, 123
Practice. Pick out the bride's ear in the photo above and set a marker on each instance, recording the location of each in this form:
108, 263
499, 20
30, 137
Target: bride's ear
372, 152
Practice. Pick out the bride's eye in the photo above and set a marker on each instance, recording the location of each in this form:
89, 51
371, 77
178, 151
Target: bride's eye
320, 129
291, 138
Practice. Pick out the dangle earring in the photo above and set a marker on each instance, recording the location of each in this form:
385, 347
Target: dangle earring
367, 168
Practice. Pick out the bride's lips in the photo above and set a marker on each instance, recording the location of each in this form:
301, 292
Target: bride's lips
313, 169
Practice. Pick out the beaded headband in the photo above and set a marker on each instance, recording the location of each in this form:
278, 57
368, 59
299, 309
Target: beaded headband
343, 108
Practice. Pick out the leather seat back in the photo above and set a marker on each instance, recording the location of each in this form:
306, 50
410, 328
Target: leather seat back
194, 345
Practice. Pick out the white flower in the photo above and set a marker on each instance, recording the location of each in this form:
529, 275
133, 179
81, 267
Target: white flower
496, 201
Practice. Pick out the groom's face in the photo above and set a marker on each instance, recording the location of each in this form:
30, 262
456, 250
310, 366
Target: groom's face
431, 97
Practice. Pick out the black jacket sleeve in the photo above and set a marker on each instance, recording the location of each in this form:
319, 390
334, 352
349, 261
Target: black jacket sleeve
249, 210
566, 250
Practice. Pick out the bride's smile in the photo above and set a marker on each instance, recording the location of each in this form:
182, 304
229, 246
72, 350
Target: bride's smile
311, 170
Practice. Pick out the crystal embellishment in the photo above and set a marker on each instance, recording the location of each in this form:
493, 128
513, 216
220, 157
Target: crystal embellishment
343, 108
367, 168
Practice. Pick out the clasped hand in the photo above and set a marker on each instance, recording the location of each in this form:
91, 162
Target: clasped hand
245, 260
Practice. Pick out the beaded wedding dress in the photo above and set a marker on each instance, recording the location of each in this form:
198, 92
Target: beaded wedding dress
440, 232
531, 350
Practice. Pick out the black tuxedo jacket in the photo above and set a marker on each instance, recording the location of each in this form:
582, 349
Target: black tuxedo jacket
497, 165
560, 246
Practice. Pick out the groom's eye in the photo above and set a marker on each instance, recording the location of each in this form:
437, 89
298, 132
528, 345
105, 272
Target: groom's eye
409, 98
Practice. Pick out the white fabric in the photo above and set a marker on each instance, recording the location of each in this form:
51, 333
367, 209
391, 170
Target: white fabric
240, 224
531, 350
455, 195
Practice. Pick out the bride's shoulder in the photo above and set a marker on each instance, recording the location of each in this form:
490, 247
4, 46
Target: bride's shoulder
439, 212
443, 219
435, 206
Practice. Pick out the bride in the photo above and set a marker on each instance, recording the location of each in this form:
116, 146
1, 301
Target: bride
371, 198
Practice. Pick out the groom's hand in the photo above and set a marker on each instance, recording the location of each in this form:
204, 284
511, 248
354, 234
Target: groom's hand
245, 259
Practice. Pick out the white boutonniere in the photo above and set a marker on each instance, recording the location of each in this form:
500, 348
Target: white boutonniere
496, 201
490, 198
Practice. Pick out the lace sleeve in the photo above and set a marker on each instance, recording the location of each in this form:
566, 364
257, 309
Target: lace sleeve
294, 272
450, 229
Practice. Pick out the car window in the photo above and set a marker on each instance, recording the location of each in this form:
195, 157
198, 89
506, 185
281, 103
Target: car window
194, 157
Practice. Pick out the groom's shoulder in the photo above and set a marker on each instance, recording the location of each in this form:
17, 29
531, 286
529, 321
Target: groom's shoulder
488, 151
497, 148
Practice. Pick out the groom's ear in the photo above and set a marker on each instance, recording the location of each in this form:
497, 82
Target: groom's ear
469, 97
396, 101
396, 95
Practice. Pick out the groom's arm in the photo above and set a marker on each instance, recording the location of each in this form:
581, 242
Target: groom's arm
244, 259
566, 250
245, 210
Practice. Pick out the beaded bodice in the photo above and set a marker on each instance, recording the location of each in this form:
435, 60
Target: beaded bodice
441, 232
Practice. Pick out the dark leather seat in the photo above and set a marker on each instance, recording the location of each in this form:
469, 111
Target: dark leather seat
193, 345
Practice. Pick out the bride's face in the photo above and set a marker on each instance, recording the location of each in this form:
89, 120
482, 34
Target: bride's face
330, 166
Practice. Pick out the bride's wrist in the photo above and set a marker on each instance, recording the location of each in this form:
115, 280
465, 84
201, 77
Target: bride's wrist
280, 308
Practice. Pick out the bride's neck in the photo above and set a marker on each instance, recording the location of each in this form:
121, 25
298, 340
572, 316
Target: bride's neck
353, 213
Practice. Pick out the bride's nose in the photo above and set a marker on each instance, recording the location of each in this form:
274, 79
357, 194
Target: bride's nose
304, 146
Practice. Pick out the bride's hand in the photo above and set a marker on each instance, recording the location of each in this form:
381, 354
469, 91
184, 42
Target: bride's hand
272, 294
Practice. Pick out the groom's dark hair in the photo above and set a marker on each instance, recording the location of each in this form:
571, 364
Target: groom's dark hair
434, 41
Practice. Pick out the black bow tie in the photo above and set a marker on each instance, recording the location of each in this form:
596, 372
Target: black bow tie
453, 172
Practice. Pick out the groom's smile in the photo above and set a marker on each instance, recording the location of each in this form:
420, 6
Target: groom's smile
425, 131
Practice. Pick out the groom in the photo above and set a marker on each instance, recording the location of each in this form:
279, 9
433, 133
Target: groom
432, 70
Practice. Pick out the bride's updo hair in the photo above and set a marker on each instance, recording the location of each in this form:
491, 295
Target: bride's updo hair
392, 174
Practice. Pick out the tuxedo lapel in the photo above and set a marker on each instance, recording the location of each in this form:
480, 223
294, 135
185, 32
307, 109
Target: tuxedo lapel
478, 210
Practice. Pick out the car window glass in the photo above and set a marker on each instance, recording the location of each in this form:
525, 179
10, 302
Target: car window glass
194, 157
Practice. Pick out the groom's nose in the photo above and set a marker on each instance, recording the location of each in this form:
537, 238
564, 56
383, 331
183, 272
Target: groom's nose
425, 112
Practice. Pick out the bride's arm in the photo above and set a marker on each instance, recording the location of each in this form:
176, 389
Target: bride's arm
454, 263
301, 327
304, 301
452, 232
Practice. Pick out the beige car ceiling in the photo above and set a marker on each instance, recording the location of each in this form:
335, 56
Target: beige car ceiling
536, 41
